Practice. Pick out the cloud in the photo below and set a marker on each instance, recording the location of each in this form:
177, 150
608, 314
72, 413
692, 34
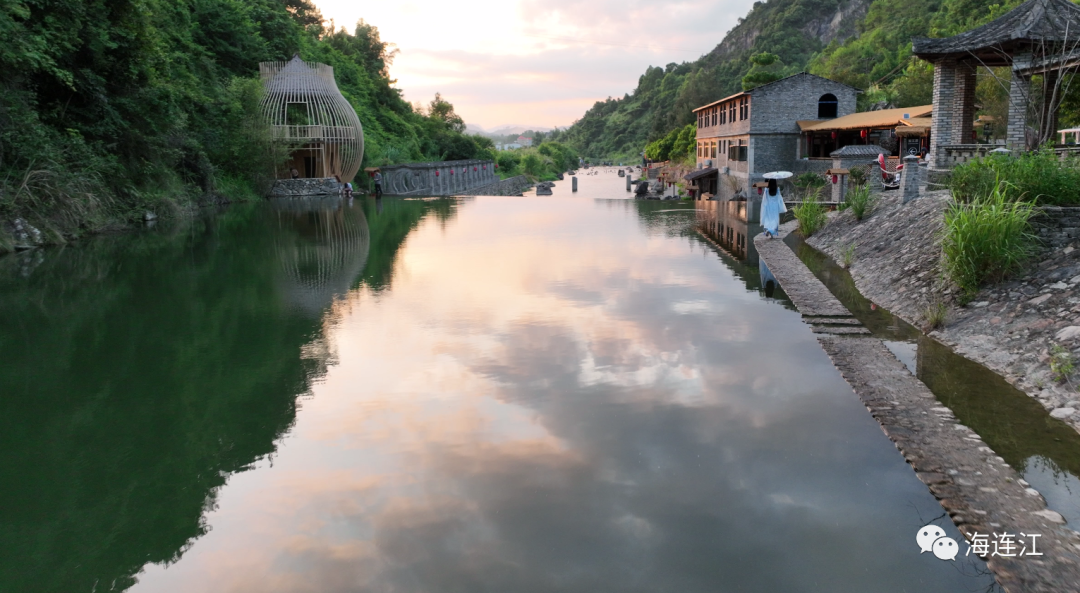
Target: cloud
536, 62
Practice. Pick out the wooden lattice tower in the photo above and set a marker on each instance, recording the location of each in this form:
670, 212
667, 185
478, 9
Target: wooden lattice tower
306, 110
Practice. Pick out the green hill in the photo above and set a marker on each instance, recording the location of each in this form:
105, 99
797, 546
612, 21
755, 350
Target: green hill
114, 107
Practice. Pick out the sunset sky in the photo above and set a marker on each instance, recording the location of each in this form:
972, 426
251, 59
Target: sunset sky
535, 62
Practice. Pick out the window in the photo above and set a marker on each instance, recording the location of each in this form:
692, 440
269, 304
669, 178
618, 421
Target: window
826, 106
737, 152
699, 149
731, 112
744, 108
714, 149
714, 122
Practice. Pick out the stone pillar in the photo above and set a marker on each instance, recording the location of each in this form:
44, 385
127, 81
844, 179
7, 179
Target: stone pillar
628, 182
1019, 94
839, 189
573, 183
941, 129
963, 107
909, 178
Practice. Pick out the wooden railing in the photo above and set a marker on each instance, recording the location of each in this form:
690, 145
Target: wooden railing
313, 133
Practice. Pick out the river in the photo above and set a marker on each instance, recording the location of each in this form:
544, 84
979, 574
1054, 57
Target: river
565, 393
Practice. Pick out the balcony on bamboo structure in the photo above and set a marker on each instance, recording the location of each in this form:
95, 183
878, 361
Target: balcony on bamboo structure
306, 112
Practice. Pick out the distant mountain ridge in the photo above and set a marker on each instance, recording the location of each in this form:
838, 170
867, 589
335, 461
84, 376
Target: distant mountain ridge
504, 130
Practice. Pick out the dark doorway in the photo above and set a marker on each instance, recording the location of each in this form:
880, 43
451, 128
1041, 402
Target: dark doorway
309, 166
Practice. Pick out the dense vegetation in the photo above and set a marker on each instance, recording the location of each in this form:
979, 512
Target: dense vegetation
986, 239
544, 162
113, 107
870, 49
987, 228
1039, 177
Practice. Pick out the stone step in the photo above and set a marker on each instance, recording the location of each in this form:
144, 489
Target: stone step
818, 320
837, 330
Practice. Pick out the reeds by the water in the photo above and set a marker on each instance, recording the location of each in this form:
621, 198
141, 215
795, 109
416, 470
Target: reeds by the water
986, 239
810, 213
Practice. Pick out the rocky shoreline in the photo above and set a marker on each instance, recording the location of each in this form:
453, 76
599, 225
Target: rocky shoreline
1010, 328
980, 492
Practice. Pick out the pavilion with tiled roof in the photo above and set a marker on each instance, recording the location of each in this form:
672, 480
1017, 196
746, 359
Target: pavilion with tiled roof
1037, 37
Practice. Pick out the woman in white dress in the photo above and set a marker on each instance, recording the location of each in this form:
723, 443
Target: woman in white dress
772, 206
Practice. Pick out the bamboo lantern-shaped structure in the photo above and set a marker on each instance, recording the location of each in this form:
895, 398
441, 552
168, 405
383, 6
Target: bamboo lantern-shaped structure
306, 111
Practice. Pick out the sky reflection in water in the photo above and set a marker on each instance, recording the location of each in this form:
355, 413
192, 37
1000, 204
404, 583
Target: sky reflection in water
554, 394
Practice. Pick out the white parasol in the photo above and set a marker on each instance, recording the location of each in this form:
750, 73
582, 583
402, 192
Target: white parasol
778, 175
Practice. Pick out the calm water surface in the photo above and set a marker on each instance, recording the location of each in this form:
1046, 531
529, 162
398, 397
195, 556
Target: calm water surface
566, 393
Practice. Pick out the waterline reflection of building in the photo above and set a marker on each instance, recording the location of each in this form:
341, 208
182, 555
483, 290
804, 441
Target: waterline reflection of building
727, 223
324, 253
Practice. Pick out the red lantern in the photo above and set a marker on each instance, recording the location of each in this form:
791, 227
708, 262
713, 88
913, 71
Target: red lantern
496, 167
474, 168
451, 171
759, 191
835, 179
436, 173
834, 135
485, 167
863, 133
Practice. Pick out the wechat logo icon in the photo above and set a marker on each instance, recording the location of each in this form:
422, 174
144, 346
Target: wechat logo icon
932, 539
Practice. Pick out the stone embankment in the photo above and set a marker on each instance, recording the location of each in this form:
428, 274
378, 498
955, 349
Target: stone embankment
979, 491
1010, 327
511, 186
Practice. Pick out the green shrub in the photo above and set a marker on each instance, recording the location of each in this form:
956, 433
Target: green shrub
986, 239
811, 213
1062, 364
1039, 176
859, 200
857, 177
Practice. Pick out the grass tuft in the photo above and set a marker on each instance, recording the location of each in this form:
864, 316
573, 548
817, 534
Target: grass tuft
847, 255
811, 213
859, 200
986, 239
1062, 363
935, 315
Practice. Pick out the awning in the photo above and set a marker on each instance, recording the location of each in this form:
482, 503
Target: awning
909, 131
695, 175
885, 118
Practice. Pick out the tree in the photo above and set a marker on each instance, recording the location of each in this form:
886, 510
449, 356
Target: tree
766, 68
443, 111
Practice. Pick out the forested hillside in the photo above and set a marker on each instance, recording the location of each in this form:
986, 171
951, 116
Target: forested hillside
862, 43
113, 107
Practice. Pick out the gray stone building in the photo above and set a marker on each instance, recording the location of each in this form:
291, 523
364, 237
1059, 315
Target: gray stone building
743, 136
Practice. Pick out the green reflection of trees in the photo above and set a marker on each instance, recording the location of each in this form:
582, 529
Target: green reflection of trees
391, 221
136, 374
1013, 424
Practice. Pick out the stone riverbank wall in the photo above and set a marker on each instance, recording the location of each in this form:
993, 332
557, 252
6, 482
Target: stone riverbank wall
445, 178
511, 186
304, 187
1008, 327
980, 492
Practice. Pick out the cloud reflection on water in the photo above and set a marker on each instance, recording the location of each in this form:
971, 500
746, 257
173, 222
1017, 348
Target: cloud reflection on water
529, 415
